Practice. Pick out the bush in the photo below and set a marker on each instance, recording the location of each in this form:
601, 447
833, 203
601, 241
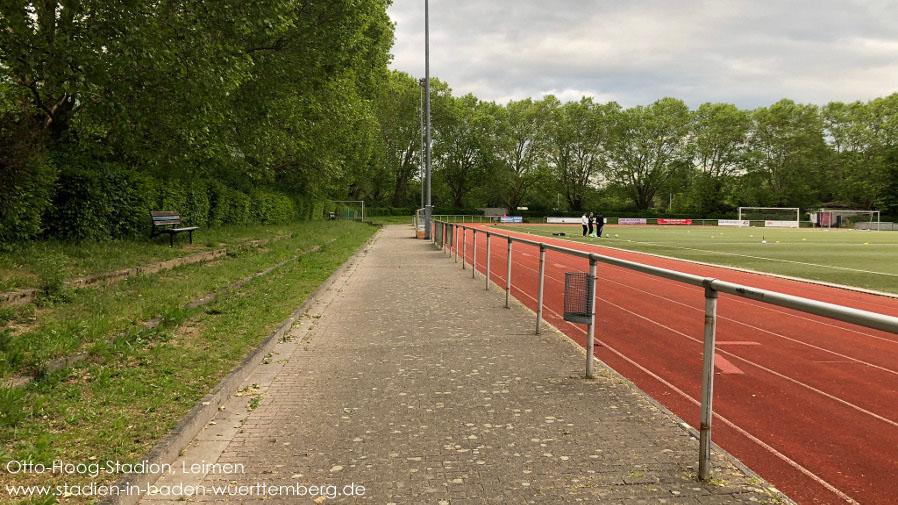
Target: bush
198, 207
107, 201
23, 205
391, 211
239, 208
272, 208
27, 181
81, 208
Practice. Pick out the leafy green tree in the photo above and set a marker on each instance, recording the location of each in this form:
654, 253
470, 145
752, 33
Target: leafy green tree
518, 149
647, 145
575, 140
461, 147
717, 144
268, 93
788, 151
398, 111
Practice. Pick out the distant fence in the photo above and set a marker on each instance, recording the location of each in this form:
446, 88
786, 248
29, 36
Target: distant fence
445, 232
684, 222
883, 226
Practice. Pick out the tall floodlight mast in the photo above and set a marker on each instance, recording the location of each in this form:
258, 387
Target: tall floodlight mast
421, 130
428, 209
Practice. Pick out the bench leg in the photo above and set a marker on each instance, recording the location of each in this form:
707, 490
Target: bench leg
191, 236
171, 240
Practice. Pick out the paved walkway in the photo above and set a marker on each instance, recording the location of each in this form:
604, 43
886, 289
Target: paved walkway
412, 381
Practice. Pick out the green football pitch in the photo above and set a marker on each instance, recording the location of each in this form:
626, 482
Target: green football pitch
865, 259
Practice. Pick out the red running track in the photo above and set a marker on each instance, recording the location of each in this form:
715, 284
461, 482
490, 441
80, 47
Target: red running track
809, 403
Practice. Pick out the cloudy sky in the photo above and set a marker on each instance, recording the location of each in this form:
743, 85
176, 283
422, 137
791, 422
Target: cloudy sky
749, 53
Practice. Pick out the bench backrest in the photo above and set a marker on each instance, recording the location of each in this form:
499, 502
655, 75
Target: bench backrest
165, 218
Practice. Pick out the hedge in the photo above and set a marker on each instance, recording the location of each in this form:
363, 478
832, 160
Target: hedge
107, 202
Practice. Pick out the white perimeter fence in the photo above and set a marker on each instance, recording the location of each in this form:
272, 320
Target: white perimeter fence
444, 234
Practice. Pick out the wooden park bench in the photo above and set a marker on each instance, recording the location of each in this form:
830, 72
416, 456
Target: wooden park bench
165, 221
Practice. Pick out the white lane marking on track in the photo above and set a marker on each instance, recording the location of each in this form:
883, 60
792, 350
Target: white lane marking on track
773, 308
752, 303
762, 330
737, 269
729, 423
735, 356
664, 244
748, 435
833, 267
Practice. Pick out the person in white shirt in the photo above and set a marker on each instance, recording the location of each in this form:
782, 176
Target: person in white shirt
584, 221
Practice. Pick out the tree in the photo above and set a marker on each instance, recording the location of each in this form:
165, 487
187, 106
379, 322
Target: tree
648, 143
717, 143
461, 145
575, 137
518, 149
398, 109
271, 93
787, 150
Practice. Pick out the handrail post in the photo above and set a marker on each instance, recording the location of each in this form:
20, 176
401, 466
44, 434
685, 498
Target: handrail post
508, 275
704, 457
455, 240
464, 247
590, 328
539, 297
474, 253
487, 260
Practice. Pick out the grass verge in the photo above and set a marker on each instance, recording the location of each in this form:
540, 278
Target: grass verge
35, 264
138, 382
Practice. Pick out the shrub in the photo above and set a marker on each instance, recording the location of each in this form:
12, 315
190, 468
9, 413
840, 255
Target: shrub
24, 203
80, 206
27, 180
271, 208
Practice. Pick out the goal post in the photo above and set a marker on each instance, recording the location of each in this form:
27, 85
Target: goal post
847, 218
771, 217
350, 209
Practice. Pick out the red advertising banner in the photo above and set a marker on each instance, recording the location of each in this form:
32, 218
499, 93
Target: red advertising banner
674, 221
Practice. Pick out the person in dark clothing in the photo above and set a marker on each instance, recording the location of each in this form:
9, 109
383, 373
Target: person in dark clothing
592, 222
600, 223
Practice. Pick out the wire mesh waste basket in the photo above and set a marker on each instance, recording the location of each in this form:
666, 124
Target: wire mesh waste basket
578, 297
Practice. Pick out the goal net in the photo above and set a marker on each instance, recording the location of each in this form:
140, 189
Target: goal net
776, 217
846, 218
354, 210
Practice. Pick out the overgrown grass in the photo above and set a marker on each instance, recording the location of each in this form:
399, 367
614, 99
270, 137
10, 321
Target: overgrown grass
23, 267
137, 382
392, 220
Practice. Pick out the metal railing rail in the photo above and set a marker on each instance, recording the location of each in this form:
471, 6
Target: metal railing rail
464, 218
711, 286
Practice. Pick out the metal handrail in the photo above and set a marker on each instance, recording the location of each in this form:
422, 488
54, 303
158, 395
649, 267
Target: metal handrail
712, 287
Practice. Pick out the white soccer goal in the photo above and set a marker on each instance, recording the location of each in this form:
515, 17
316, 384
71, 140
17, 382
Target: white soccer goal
847, 218
346, 209
772, 217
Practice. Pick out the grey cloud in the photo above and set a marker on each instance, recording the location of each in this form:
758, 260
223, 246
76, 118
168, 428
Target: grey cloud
750, 53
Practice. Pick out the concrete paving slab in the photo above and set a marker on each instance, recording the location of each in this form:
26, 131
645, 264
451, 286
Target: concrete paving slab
408, 383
